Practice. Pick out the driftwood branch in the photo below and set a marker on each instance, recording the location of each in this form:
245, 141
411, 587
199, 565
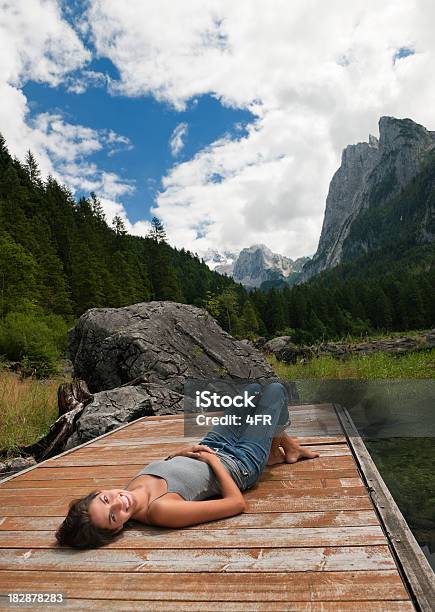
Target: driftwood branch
72, 395
72, 399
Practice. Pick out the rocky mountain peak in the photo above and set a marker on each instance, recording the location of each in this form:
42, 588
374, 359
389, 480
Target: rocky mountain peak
262, 248
396, 133
370, 174
257, 264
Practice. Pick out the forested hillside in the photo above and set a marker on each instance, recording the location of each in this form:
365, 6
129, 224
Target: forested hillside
59, 257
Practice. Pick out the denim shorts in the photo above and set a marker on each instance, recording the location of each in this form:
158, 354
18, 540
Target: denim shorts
244, 453
236, 469
240, 473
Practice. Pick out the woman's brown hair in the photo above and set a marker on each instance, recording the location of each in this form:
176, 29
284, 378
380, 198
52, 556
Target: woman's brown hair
78, 531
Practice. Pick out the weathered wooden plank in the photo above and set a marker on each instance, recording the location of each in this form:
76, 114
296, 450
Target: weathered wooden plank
283, 504
271, 493
77, 488
203, 560
414, 563
319, 463
154, 440
305, 437
346, 468
341, 518
54, 473
236, 606
326, 459
152, 537
162, 449
298, 487
279, 586
307, 484
314, 409
267, 495
349, 476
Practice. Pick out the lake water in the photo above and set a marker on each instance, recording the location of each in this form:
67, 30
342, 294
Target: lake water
396, 419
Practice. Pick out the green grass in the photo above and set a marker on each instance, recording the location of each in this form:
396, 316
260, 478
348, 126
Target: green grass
27, 407
416, 364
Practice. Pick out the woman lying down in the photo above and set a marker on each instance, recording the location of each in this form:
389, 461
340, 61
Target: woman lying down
173, 492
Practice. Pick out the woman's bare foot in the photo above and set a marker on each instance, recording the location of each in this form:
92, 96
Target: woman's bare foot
293, 451
276, 454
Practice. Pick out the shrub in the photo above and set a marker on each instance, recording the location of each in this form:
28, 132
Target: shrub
36, 340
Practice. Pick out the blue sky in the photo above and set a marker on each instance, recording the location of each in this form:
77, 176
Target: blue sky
147, 124
265, 100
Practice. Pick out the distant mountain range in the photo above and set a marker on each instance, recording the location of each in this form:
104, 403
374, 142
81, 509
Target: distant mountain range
382, 195
256, 266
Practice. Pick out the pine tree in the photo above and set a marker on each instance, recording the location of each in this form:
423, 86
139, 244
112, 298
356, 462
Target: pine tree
249, 318
119, 226
157, 231
5, 158
274, 317
97, 209
32, 168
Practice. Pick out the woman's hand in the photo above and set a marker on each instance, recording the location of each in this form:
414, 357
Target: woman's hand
192, 451
210, 458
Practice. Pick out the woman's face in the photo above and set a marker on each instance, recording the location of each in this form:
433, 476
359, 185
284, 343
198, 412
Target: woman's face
111, 508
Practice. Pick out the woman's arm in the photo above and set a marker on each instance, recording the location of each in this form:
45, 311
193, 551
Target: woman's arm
228, 487
179, 513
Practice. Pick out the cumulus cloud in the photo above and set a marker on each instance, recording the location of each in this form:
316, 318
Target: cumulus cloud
38, 44
316, 76
176, 142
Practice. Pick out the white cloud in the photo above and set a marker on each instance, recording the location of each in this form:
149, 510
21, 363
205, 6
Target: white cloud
35, 43
38, 44
112, 208
176, 142
78, 84
316, 75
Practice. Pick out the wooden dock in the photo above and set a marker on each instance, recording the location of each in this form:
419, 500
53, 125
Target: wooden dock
313, 537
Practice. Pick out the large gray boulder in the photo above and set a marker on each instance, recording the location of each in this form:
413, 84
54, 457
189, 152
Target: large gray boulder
157, 342
136, 360
276, 344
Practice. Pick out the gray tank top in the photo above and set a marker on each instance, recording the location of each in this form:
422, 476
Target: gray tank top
192, 479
